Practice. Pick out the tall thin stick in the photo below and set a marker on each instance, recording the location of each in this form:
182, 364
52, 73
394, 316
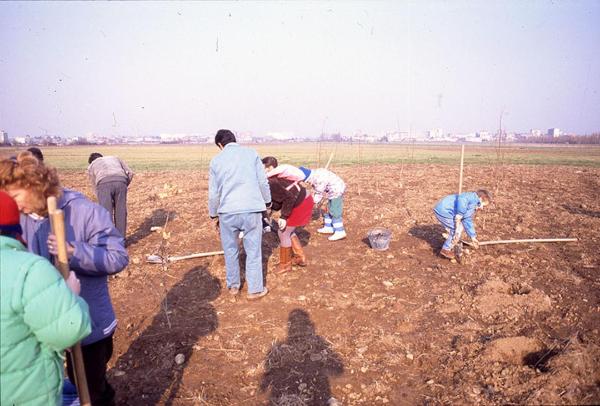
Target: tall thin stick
57, 222
329, 161
462, 160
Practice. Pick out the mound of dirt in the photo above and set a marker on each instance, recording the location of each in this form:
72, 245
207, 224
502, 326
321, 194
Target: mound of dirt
496, 297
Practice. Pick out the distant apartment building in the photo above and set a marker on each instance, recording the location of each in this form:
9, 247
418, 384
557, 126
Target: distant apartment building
536, 133
554, 132
4, 137
483, 136
435, 133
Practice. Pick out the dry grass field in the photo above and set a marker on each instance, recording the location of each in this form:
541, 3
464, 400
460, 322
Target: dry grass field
513, 324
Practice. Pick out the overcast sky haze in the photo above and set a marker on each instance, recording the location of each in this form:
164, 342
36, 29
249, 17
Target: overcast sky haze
298, 67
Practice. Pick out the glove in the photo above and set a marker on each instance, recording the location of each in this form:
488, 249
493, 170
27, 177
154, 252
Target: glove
282, 224
474, 242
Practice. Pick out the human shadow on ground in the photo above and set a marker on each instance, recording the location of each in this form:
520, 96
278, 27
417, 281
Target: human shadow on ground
157, 218
184, 316
431, 233
581, 211
297, 370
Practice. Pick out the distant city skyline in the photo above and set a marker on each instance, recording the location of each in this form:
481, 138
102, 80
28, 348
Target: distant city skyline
298, 68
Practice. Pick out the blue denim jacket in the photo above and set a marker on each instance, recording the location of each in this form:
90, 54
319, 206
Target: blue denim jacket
464, 204
237, 182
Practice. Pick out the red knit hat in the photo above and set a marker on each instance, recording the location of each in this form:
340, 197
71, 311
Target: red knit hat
9, 216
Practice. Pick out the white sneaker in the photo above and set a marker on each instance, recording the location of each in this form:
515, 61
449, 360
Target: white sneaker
338, 235
325, 230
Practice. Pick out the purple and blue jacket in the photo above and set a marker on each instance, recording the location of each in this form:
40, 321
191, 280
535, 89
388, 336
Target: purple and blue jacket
99, 252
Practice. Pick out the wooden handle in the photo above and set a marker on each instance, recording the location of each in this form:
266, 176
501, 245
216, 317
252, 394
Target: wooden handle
199, 255
530, 240
58, 229
462, 160
51, 204
57, 224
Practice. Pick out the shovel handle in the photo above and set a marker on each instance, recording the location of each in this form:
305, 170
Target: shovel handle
57, 223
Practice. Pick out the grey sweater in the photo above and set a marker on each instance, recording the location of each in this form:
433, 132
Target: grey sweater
109, 169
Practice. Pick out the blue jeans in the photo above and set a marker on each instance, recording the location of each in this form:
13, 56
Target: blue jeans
449, 224
230, 227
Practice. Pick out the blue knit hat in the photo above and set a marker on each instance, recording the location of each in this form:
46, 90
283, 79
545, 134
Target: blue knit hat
306, 172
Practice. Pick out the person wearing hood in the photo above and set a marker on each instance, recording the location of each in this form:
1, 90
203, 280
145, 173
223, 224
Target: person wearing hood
95, 248
41, 316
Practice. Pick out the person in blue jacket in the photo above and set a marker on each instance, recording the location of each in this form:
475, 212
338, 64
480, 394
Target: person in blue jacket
238, 194
94, 246
455, 212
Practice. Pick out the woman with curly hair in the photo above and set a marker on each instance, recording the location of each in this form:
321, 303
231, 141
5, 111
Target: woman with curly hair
94, 246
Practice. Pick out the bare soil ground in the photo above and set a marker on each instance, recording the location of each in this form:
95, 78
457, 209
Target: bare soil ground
513, 324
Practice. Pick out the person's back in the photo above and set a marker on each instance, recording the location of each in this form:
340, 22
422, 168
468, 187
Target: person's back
108, 169
238, 181
463, 204
39, 318
238, 192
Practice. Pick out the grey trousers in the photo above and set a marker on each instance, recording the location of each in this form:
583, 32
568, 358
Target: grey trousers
113, 197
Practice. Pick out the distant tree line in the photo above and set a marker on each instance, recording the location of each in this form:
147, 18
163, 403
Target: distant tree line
564, 139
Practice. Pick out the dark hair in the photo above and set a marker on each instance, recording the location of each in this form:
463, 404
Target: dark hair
94, 156
270, 161
224, 137
36, 152
484, 195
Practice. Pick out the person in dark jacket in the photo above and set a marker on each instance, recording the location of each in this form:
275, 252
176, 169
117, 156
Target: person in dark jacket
296, 206
95, 248
110, 177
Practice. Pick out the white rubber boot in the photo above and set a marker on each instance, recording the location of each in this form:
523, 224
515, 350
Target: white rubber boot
338, 235
325, 230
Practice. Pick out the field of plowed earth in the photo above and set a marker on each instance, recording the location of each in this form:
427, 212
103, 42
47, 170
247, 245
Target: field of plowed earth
512, 324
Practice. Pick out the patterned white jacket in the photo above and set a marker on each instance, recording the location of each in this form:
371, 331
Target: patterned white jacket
326, 184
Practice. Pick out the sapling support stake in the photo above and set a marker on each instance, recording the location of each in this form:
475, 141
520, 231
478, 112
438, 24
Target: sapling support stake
57, 224
462, 160
329, 161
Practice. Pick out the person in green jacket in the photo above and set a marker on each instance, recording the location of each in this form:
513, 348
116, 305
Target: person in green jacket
41, 314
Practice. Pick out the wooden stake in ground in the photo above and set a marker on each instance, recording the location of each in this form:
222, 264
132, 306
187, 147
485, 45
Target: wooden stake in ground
462, 160
329, 161
57, 222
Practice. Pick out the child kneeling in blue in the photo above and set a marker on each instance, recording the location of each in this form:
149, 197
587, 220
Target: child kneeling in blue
455, 212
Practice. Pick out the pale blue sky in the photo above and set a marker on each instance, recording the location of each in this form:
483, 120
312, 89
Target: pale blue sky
298, 67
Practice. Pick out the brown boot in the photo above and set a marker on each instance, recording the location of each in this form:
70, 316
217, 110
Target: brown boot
298, 258
285, 260
447, 254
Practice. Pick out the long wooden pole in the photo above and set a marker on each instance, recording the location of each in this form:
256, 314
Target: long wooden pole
57, 222
199, 255
462, 160
528, 240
